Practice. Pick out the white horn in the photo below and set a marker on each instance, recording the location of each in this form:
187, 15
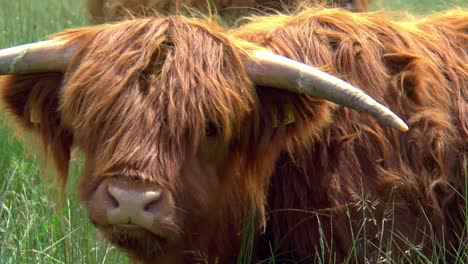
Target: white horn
44, 56
271, 70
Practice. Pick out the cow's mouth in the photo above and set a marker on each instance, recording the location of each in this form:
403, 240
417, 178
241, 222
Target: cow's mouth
130, 230
137, 239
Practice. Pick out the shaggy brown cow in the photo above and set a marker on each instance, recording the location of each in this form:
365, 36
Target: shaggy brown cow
182, 150
113, 10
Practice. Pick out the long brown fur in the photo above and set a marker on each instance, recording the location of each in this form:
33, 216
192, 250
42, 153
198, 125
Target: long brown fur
115, 10
138, 96
410, 186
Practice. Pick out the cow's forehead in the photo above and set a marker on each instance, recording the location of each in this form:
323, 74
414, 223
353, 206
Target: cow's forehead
155, 78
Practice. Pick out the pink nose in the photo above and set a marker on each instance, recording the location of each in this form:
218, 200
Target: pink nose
120, 202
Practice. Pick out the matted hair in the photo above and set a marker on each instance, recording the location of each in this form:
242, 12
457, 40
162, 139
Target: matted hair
416, 67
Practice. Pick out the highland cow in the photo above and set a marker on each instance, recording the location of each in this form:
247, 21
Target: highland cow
191, 133
114, 10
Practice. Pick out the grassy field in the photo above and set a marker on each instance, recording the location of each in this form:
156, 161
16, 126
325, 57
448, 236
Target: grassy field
37, 223
417, 6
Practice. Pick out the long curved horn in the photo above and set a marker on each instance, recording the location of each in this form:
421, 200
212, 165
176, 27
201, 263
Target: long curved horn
44, 56
271, 70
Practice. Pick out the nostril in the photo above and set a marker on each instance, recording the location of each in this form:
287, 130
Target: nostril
112, 200
152, 199
150, 205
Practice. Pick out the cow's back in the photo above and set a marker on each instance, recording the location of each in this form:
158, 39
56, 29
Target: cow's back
360, 184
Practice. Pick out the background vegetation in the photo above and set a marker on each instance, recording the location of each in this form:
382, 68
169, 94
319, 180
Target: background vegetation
37, 223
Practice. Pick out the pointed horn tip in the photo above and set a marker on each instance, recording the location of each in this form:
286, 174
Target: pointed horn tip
396, 122
392, 120
402, 126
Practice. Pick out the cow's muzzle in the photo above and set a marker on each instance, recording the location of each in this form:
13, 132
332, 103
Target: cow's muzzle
128, 204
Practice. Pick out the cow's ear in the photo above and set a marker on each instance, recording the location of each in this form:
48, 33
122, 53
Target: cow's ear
33, 101
293, 116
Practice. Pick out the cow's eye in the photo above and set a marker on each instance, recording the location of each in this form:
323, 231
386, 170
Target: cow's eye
211, 130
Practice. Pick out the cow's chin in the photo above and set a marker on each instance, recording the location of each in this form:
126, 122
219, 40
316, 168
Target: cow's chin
140, 242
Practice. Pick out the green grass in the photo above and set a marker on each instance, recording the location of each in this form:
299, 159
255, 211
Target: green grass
37, 223
417, 6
